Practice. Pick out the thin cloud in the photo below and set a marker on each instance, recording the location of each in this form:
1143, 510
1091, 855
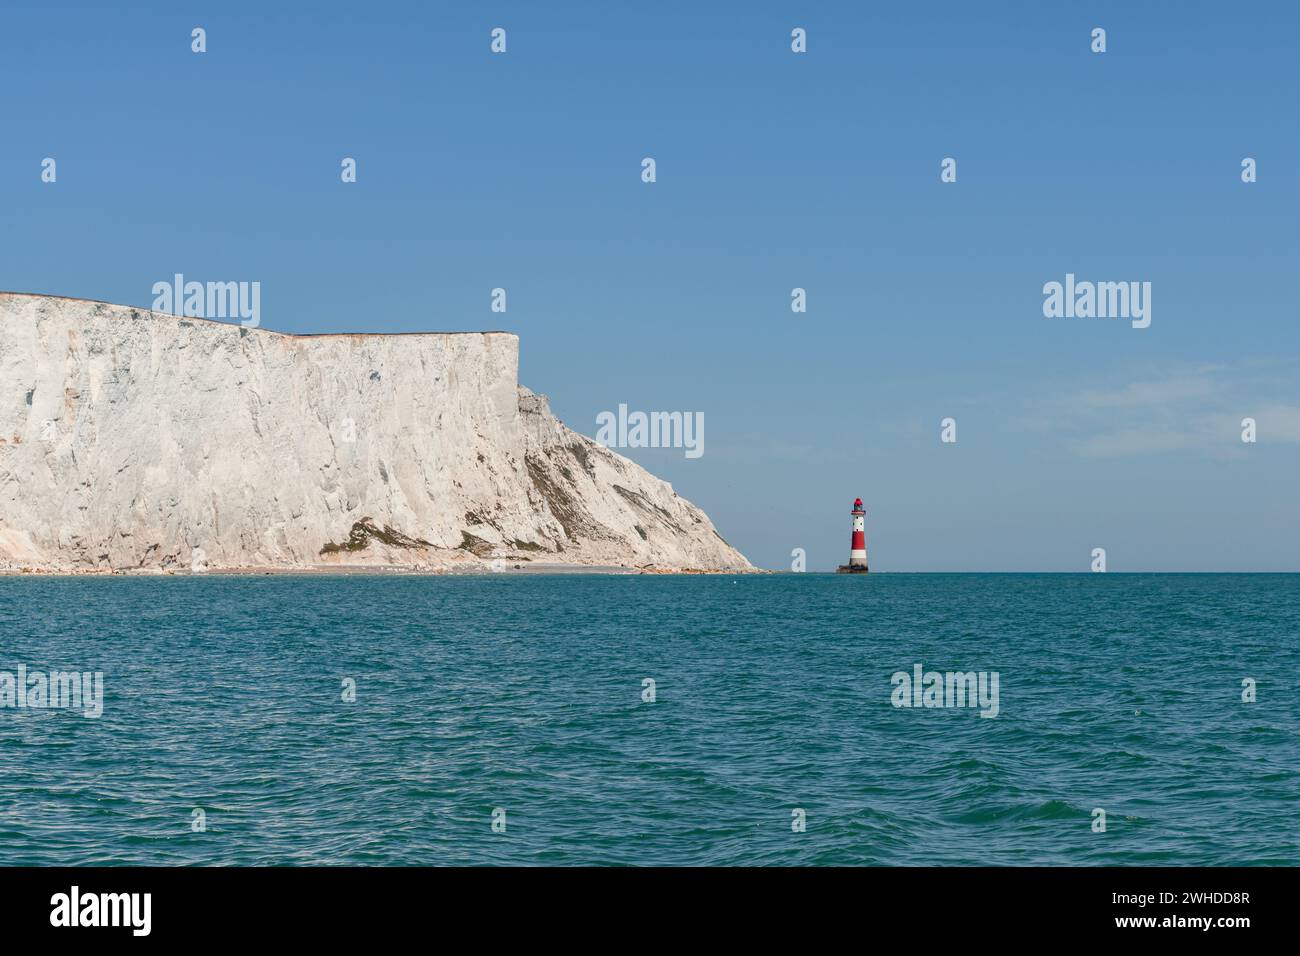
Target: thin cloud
1141, 394
1198, 409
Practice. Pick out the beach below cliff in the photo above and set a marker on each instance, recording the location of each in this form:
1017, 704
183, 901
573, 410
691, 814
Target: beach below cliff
353, 570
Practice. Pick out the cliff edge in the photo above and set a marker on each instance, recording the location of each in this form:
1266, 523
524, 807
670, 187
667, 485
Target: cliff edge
136, 440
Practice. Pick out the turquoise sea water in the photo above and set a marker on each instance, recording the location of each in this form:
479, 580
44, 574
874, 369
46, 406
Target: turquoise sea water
773, 693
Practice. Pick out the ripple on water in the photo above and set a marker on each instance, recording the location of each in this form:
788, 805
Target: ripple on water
476, 695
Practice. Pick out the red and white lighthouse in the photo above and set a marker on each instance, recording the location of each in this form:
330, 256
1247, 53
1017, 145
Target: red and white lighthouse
858, 549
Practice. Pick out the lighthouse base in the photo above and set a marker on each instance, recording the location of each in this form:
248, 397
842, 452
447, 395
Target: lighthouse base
851, 569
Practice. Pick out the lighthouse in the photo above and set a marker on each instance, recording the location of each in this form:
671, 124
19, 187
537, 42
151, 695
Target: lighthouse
858, 549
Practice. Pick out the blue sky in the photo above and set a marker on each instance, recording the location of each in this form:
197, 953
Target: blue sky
775, 171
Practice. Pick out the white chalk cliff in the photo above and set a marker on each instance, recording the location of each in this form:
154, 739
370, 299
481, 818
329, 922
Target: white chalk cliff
134, 440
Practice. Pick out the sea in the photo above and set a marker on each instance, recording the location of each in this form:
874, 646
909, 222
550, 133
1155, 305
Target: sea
1111, 719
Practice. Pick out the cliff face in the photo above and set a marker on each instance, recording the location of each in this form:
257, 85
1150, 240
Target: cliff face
135, 440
